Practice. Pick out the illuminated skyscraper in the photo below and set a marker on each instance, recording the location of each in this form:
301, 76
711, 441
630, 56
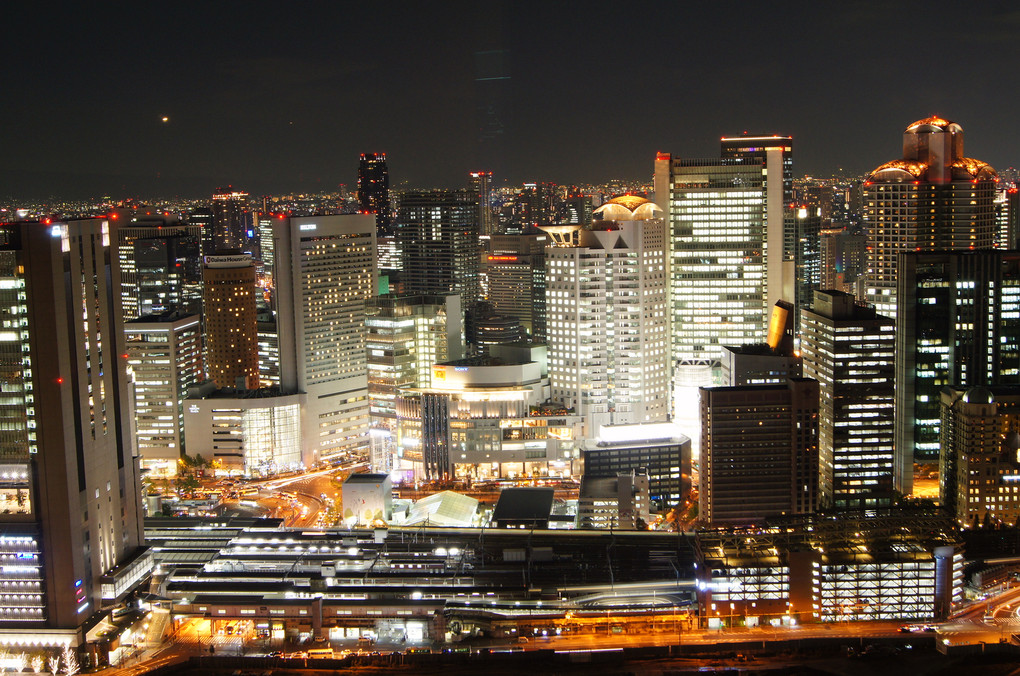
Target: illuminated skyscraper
515, 271
325, 276
231, 321
848, 349
730, 229
775, 155
958, 324
808, 224
374, 189
438, 235
934, 198
606, 291
481, 184
71, 527
161, 267
232, 221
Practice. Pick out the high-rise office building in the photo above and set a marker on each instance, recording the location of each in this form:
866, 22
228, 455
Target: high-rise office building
732, 252
325, 276
808, 255
231, 324
165, 355
438, 235
934, 198
958, 324
161, 267
481, 185
71, 526
269, 345
534, 205
374, 190
203, 218
759, 451
606, 302
515, 271
232, 226
775, 155
848, 348
578, 208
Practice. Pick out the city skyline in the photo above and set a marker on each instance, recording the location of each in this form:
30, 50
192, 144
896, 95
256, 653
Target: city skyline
280, 103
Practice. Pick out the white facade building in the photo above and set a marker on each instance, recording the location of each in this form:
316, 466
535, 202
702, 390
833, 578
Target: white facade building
485, 418
165, 354
257, 434
608, 318
325, 273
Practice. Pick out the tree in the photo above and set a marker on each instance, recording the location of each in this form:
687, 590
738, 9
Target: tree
53, 663
37, 663
70, 659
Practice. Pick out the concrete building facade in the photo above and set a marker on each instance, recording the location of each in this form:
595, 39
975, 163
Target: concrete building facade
759, 452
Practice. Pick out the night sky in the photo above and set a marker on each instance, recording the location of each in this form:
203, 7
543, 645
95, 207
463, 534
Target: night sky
273, 97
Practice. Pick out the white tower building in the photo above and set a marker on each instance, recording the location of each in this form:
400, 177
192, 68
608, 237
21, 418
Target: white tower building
608, 320
325, 274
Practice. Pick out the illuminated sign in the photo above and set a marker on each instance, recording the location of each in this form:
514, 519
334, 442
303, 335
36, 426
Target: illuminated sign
502, 258
306, 226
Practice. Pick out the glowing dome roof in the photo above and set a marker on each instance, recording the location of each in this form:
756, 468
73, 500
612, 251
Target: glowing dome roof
632, 202
899, 171
629, 208
973, 168
933, 123
979, 395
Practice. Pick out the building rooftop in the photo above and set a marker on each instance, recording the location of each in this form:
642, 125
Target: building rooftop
166, 317
527, 504
366, 478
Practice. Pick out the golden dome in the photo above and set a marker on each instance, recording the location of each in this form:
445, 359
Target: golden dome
632, 202
933, 123
912, 167
974, 168
629, 208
